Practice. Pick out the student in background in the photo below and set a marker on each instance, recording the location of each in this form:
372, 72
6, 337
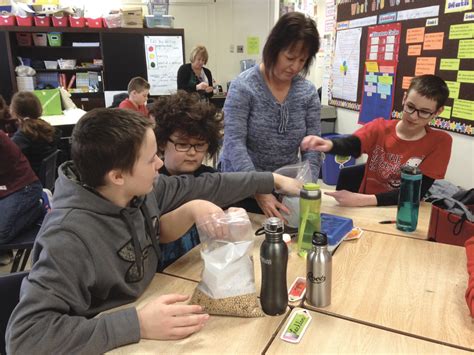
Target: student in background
20, 193
390, 144
271, 107
470, 271
7, 123
187, 131
194, 77
138, 90
98, 247
36, 138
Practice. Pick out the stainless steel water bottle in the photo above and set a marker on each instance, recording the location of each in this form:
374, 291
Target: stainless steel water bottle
319, 272
409, 198
274, 260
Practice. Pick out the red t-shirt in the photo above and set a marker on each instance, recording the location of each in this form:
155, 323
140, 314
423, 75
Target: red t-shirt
470, 271
131, 106
387, 153
15, 170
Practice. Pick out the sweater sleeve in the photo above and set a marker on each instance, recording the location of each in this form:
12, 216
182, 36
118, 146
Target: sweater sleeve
184, 74
349, 145
237, 108
313, 127
208, 73
223, 189
390, 198
470, 271
55, 295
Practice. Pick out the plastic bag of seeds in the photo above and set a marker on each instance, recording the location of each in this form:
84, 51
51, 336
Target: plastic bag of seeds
228, 283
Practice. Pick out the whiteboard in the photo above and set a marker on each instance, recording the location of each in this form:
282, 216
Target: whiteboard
164, 55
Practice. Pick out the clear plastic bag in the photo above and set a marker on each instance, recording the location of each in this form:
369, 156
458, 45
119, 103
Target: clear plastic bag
302, 172
228, 282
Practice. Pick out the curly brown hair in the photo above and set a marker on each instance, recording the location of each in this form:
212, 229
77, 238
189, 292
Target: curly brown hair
185, 113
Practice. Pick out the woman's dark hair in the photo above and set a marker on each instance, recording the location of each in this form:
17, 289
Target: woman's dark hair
105, 139
291, 29
185, 113
27, 107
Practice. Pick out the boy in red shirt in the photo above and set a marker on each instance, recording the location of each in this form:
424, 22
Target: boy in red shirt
138, 90
390, 144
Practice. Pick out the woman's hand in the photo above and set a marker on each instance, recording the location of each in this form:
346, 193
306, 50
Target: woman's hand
286, 185
201, 86
271, 206
316, 143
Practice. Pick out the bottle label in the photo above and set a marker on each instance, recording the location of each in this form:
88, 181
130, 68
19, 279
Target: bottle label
296, 326
297, 290
316, 279
265, 261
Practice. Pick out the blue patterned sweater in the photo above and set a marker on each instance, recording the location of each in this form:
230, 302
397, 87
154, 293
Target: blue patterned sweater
262, 134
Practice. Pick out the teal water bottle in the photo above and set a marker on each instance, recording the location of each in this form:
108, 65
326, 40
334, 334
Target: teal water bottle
310, 215
409, 198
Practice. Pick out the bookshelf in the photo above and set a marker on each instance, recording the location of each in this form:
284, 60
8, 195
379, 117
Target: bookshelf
119, 50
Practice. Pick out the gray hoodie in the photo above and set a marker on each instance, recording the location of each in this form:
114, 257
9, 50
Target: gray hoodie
92, 255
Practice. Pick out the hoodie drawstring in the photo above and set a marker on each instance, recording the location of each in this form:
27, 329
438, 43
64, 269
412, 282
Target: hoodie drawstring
151, 231
136, 243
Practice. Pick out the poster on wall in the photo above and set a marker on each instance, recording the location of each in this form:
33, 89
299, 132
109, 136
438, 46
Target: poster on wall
383, 44
164, 55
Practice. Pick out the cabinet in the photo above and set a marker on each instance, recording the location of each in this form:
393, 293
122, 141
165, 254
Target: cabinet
120, 51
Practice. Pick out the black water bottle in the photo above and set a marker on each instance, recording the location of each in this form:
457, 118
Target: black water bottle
274, 260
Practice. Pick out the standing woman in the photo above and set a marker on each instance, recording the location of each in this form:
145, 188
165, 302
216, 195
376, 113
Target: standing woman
271, 107
36, 138
193, 77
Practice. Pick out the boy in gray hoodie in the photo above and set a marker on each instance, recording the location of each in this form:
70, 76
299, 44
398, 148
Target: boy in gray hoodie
98, 248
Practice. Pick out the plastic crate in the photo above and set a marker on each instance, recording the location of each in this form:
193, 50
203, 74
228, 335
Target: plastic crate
77, 21
55, 39
94, 22
7, 20
24, 39
153, 21
42, 21
51, 64
26, 21
59, 21
40, 39
113, 21
336, 228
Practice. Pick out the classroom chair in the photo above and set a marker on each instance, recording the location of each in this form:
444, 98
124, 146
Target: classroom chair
10, 285
350, 178
22, 243
47, 174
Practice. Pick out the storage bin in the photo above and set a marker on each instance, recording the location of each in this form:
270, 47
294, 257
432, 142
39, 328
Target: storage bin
94, 22
113, 21
26, 21
26, 83
42, 21
77, 21
159, 21
67, 63
40, 39
51, 64
334, 163
132, 18
55, 39
7, 20
24, 39
59, 21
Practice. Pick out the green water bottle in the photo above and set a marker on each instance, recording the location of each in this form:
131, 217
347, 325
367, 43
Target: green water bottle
310, 216
409, 198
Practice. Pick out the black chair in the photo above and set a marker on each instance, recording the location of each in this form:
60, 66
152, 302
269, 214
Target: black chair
22, 243
118, 98
47, 174
10, 285
350, 178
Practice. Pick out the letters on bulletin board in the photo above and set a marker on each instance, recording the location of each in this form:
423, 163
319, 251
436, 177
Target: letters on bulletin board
435, 37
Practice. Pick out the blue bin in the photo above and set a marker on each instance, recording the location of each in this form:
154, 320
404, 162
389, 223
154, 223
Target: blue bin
334, 163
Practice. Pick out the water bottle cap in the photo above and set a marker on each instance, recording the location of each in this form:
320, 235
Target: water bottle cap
273, 224
320, 239
311, 186
411, 170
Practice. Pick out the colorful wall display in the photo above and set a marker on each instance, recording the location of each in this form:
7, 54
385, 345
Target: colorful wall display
436, 37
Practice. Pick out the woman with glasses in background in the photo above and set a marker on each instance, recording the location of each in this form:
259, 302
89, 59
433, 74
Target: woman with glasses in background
390, 144
187, 131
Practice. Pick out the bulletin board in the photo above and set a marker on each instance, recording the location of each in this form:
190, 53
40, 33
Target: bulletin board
434, 37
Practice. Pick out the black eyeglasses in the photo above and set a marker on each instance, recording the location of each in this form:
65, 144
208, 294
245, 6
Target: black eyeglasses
185, 147
421, 113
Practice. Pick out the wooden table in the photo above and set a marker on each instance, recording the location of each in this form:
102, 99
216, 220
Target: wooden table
402, 284
327, 334
229, 335
368, 218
